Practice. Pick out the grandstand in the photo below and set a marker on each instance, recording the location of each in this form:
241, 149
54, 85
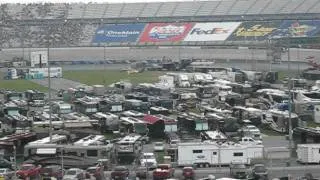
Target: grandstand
71, 25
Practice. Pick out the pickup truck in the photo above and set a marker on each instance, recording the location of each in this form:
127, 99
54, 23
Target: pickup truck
163, 171
28, 170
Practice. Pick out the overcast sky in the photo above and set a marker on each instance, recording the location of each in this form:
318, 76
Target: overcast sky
86, 1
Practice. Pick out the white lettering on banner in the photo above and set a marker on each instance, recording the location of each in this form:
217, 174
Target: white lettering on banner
211, 31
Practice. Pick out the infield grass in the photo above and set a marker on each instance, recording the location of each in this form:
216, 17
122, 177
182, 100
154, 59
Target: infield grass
20, 85
107, 77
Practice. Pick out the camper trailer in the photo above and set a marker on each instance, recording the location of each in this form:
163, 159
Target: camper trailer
205, 154
87, 105
129, 147
308, 153
60, 107
108, 122
82, 154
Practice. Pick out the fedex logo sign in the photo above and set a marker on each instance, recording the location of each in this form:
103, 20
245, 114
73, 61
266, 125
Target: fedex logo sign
211, 31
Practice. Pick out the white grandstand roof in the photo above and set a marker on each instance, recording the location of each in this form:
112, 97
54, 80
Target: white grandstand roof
88, 1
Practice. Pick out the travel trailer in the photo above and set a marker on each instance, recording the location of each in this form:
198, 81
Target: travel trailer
206, 154
308, 153
129, 147
84, 153
108, 122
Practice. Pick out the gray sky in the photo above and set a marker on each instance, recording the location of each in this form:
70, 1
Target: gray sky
86, 1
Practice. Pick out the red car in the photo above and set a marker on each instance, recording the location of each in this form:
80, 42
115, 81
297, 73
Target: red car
163, 171
188, 173
28, 170
96, 171
120, 172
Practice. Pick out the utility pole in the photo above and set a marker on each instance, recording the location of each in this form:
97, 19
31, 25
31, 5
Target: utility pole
49, 89
62, 161
290, 99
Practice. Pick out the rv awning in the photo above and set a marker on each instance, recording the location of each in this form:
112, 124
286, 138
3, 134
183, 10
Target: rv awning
151, 119
46, 151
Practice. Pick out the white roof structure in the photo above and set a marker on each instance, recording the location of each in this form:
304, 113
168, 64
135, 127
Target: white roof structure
55, 138
90, 140
132, 138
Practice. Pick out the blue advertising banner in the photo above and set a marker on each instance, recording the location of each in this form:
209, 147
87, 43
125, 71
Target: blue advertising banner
118, 33
294, 28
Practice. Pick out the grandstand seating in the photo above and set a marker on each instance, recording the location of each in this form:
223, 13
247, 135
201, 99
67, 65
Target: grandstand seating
67, 30
274, 7
223, 7
207, 8
166, 9
113, 11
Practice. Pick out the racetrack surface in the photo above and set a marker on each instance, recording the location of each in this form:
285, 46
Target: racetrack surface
175, 53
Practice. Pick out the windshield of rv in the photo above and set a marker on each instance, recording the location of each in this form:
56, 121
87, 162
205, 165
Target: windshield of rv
26, 167
149, 157
260, 169
2, 171
158, 144
312, 95
71, 172
225, 89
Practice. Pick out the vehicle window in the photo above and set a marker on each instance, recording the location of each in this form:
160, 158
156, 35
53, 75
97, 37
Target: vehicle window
26, 167
238, 154
214, 153
197, 151
260, 169
92, 153
2, 171
71, 172
148, 156
119, 169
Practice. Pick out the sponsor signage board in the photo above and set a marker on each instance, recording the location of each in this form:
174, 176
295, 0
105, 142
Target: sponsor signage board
249, 31
219, 31
118, 33
165, 32
294, 28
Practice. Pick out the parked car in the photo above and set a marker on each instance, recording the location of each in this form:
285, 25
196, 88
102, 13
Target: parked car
158, 146
148, 160
188, 173
74, 173
5, 164
96, 171
259, 171
163, 171
28, 170
53, 171
238, 170
6, 173
120, 172
141, 172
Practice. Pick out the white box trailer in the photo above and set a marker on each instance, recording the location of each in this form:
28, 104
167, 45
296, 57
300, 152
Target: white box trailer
205, 154
308, 153
55, 72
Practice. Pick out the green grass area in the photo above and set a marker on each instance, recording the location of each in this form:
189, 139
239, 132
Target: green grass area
107, 77
19, 84
284, 74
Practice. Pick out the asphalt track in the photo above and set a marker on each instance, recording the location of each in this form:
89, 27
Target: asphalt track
175, 53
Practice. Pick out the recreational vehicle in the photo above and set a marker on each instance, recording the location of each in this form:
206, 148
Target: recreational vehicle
308, 153
12, 95
129, 148
85, 153
192, 122
133, 125
279, 120
87, 105
205, 154
55, 72
108, 122
35, 98
60, 107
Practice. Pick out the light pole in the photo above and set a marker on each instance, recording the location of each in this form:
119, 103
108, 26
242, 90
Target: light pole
15, 160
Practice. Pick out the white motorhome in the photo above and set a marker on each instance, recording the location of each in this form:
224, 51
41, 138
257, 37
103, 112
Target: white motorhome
129, 147
308, 153
279, 120
205, 154
60, 107
91, 140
